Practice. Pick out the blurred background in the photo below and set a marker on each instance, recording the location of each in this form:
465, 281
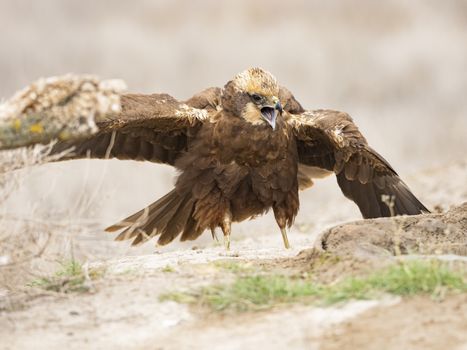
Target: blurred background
398, 67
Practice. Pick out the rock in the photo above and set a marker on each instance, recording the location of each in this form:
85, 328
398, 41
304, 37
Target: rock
444, 233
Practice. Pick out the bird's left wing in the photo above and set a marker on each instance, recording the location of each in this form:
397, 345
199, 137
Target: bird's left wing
330, 140
154, 127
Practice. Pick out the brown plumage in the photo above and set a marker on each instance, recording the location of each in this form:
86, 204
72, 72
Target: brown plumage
241, 151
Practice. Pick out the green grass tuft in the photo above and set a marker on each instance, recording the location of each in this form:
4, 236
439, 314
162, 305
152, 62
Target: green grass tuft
405, 279
259, 292
168, 269
69, 278
256, 292
234, 267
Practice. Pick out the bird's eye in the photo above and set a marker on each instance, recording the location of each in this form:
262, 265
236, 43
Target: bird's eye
256, 97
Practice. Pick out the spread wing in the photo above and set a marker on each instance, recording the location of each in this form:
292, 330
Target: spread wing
330, 140
153, 127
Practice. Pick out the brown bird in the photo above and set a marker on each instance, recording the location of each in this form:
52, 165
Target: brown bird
241, 151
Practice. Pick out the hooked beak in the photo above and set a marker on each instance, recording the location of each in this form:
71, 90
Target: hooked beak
270, 114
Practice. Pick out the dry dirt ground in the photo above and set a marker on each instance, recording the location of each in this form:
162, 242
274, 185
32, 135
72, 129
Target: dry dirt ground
122, 308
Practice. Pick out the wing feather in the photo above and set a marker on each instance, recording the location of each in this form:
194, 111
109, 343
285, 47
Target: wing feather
153, 127
330, 140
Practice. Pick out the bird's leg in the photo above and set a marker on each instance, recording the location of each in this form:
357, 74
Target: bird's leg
213, 233
225, 226
281, 222
285, 238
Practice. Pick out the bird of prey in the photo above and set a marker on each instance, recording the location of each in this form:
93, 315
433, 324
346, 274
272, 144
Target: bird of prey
241, 150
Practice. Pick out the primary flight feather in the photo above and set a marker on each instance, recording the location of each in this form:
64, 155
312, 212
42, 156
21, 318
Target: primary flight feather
241, 151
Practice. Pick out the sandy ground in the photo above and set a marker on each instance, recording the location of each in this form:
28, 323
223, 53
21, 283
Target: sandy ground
425, 324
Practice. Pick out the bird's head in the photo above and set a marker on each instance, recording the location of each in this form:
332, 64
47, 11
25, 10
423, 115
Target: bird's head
253, 96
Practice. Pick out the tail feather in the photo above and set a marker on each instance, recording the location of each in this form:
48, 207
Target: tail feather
141, 224
177, 222
158, 220
191, 231
141, 237
141, 216
167, 217
128, 233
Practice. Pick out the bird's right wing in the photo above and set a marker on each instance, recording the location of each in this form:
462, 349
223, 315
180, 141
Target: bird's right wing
154, 127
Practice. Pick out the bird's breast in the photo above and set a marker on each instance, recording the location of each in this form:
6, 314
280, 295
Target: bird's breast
253, 145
